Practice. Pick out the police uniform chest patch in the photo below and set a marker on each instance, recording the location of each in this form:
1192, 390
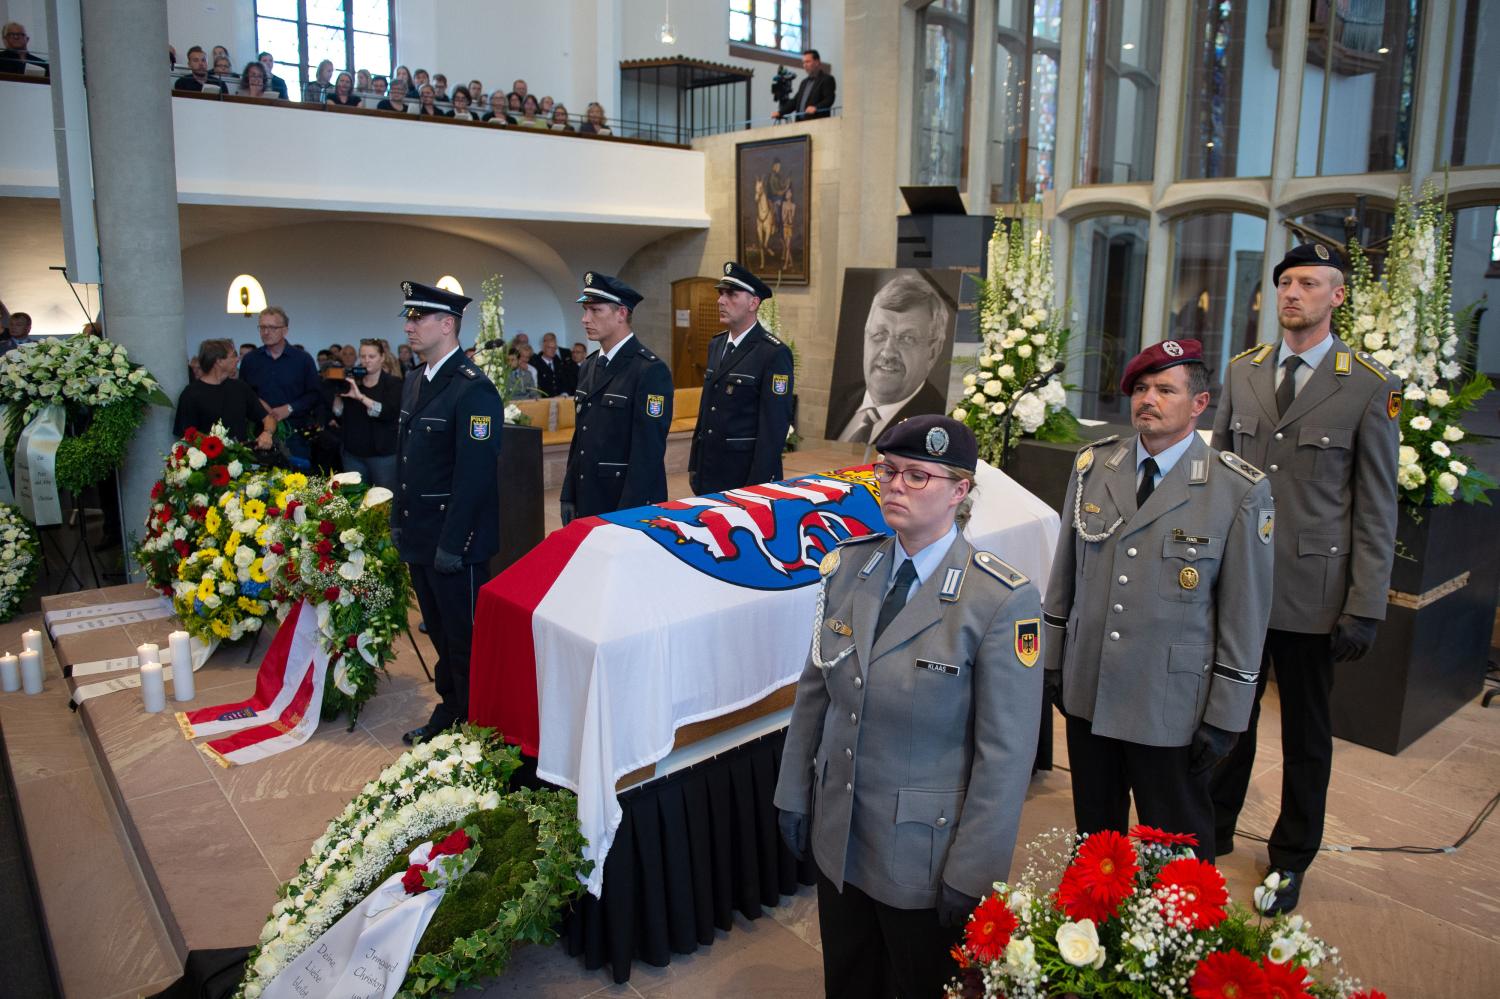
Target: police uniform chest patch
655, 405
780, 384
480, 427
1029, 641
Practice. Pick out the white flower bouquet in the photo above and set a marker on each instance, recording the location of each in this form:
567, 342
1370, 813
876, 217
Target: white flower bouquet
20, 558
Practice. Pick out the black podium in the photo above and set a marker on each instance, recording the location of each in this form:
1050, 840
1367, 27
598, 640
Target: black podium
520, 476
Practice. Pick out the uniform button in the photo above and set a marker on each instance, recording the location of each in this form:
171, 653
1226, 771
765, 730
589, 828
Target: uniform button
1114, 636
1334, 549
1236, 425
1323, 440
1130, 552
1279, 435
1205, 667
849, 752
853, 718
1124, 580
942, 820
1119, 608
1192, 550
859, 681
1273, 468
713, 409
849, 787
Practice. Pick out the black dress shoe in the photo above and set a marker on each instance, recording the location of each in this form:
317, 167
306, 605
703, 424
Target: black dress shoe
1223, 846
1288, 893
417, 735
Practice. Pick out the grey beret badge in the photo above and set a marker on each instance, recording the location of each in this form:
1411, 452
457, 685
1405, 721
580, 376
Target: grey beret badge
937, 442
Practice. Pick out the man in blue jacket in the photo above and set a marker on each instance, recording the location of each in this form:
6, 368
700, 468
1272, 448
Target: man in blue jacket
285, 378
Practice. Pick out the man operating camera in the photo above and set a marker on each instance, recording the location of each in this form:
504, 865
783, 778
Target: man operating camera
814, 97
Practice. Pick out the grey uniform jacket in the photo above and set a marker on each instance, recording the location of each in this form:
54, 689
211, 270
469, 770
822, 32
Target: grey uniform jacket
913, 756
1160, 626
1331, 461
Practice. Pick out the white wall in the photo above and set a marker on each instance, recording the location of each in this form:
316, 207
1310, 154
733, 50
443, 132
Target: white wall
230, 23
340, 281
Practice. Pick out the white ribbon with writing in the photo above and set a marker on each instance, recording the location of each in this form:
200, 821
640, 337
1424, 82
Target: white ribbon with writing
85, 691
36, 468
366, 953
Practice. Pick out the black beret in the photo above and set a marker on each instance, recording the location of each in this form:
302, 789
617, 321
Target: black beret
607, 290
737, 278
932, 438
1310, 254
422, 300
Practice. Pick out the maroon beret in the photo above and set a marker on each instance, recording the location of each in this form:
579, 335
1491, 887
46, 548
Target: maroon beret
1159, 357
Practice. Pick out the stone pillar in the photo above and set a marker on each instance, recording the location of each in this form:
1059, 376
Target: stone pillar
135, 205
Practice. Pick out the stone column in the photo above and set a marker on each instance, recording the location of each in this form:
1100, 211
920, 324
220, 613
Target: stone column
135, 205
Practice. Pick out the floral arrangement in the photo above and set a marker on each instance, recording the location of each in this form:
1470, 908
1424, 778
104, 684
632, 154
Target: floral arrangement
769, 316
490, 346
449, 859
1137, 917
515, 891
20, 558
328, 541
1021, 343
91, 378
1405, 320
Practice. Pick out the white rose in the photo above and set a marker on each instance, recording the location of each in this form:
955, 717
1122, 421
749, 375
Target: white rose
1421, 423
978, 399
1406, 455
1439, 397
1448, 483
1440, 449
998, 409
1040, 339
994, 387
1006, 372
960, 414
1024, 350
235, 468
1374, 341
970, 379
1453, 433
196, 458
1414, 392
1458, 468
1020, 956
1078, 943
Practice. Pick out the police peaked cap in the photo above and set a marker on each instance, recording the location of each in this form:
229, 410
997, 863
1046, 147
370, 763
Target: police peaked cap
606, 290
422, 300
737, 278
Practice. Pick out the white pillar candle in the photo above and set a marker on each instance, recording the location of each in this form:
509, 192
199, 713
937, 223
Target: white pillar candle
32, 640
153, 688
31, 671
181, 648
10, 673
148, 653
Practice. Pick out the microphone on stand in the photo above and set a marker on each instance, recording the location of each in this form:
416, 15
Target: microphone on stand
1036, 382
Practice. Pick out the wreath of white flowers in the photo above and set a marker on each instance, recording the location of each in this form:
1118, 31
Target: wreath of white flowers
20, 558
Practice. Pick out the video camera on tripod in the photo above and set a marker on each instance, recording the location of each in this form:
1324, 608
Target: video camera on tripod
781, 84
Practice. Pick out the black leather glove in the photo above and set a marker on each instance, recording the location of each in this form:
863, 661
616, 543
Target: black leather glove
567, 513
1210, 745
793, 831
1052, 687
447, 563
954, 906
1352, 637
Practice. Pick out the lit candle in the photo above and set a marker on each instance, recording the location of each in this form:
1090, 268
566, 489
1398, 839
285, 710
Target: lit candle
148, 653
181, 648
10, 673
153, 688
31, 671
32, 640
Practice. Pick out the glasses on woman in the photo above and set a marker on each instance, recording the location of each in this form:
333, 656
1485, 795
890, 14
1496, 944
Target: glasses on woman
915, 478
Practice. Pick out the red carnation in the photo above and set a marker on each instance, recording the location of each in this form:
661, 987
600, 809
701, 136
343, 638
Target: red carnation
211, 447
272, 511
278, 548
452, 844
325, 528
183, 551
331, 594
412, 879
989, 928
1285, 981
1228, 975
352, 641
218, 475
1150, 834
1199, 888
191, 435
323, 547
158, 489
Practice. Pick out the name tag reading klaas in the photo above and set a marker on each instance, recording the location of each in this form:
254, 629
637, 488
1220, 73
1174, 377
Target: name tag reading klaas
936, 667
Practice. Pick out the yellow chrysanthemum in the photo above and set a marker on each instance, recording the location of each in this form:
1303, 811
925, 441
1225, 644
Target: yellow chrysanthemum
258, 571
219, 628
206, 587
232, 545
211, 521
294, 480
254, 509
263, 535
281, 499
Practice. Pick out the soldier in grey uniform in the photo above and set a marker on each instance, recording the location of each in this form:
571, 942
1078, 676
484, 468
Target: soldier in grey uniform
1157, 604
914, 730
1322, 420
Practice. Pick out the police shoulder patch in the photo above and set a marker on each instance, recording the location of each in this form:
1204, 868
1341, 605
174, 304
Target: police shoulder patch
1242, 466
655, 405
862, 538
1001, 570
480, 427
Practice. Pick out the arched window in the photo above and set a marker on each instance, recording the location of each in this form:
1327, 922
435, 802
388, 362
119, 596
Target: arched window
1229, 117
1023, 126
1107, 282
1476, 277
1122, 67
1216, 295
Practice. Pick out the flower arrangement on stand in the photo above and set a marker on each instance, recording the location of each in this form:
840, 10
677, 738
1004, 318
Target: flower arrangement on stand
1405, 320
769, 316
90, 377
516, 890
20, 559
1137, 917
1022, 342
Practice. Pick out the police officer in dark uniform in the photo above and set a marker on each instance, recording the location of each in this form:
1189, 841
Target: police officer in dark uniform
617, 458
446, 516
746, 406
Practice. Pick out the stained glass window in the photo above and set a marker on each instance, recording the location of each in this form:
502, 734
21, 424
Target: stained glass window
940, 133
352, 34
1023, 129
770, 24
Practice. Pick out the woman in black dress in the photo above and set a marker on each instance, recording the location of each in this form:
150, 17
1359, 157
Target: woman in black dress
219, 397
343, 92
368, 410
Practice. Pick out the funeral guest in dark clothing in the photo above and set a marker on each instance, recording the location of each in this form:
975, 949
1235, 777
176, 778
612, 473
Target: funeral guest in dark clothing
284, 376
219, 397
368, 410
814, 96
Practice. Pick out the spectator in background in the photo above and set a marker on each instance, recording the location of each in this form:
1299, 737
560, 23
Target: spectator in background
513, 106
556, 374
429, 104
476, 94
367, 411
519, 88
594, 120
545, 106
216, 396
273, 82
560, 121
461, 104
362, 81
497, 113
529, 116
388, 362
403, 74
522, 338
222, 69
397, 100
17, 57
406, 358
284, 376
379, 86
526, 355
814, 95
580, 354
440, 86
420, 80
520, 382
199, 80
219, 52
18, 328
245, 348
172, 57
253, 81
348, 356
343, 93
318, 89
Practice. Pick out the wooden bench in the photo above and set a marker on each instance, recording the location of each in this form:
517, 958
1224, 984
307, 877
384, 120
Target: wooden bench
555, 418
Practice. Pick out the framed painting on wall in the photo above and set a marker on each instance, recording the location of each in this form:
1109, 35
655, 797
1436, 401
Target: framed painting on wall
773, 195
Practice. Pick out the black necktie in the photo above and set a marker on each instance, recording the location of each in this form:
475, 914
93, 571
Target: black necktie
1148, 482
1287, 390
896, 598
603, 359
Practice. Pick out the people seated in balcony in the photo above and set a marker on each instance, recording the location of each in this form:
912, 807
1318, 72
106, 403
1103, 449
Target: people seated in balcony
343, 93
419, 79
362, 83
199, 80
17, 57
814, 95
476, 96
404, 75
496, 114
172, 57
397, 101
440, 86
379, 86
219, 52
513, 106
318, 88
274, 83
530, 114
253, 82
429, 104
462, 106
222, 69
520, 89
594, 122
560, 122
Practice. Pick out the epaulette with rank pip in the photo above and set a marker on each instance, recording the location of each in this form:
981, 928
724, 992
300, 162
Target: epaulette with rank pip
1001, 570
772, 337
1245, 353
1242, 466
469, 371
1380, 370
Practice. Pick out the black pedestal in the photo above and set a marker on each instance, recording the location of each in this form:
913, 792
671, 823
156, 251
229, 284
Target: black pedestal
1431, 652
1042, 467
520, 474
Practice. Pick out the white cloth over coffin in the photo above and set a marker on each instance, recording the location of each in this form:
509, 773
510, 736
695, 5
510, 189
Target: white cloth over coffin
632, 644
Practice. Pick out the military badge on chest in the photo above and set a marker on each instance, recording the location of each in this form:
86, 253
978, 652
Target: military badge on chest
1188, 578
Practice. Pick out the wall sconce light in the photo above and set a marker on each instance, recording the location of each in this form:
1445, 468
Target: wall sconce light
246, 296
450, 284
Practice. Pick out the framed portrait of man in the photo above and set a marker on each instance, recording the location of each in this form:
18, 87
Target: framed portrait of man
894, 348
773, 185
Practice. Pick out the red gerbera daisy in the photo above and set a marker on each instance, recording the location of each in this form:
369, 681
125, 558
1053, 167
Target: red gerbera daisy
1151, 834
989, 928
211, 447
1285, 981
1074, 898
190, 434
1228, 975
218, 475
1368, 994
1199, 892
